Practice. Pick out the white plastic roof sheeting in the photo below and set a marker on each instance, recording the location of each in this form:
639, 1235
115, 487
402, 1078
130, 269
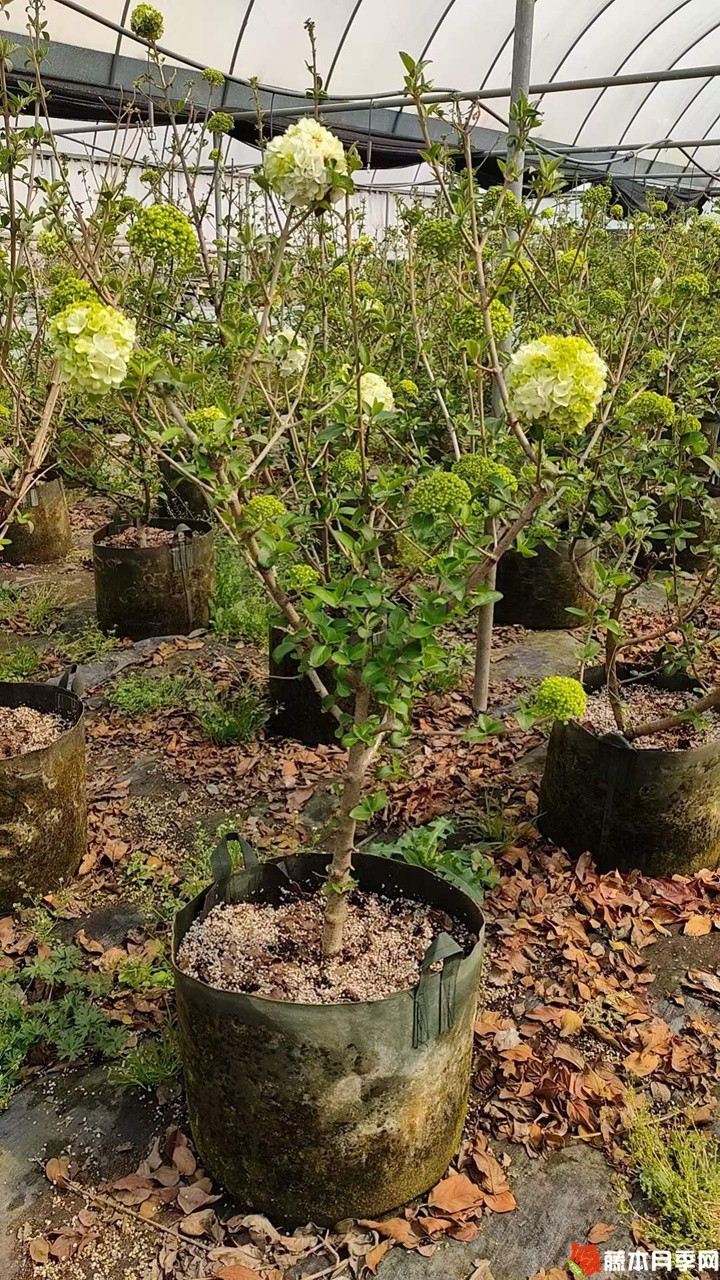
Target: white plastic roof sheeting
469, 43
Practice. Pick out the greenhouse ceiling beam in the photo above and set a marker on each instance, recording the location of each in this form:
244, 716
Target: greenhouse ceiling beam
389, 100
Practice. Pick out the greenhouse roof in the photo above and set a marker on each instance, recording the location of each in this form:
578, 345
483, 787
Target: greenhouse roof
629, 88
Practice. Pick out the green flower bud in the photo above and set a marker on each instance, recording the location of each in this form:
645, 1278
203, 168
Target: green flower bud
440, 493
147, 22
560, 698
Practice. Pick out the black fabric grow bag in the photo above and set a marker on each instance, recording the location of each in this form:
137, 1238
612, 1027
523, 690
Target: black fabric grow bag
43, 805
538, 590
47, 536
155, 591
323, 1112
632, 806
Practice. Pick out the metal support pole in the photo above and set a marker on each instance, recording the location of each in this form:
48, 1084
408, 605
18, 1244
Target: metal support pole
520, 86
520, 82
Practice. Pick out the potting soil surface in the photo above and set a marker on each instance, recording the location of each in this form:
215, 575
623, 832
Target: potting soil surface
644, 704
24, 729
144, 537
276, 951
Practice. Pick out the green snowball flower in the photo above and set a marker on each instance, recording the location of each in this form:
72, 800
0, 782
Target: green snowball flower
652, 409
560, 698
346, 469
214, 78
610, 303
408, 388
478, 472
570, 263
302, 576
203, 421
147, 22
364, 289
65, 292
470, 322
440, 493
163, 234
438, 237
693, 285
264, 510
221, 122
92, 344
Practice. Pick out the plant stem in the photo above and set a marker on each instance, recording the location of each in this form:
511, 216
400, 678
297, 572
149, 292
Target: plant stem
483, 637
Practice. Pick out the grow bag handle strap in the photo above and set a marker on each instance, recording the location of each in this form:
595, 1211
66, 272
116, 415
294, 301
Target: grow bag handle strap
444, 948
221, 862
70, 681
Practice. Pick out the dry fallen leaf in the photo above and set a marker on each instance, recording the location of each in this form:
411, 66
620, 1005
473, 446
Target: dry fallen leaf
39, 1250
642, 1064
601, 1232
376, 1255
235, 1273
190, 1199
57, 1171
197, 1224
455, 1194
697, 925
397, 1229
184, 1160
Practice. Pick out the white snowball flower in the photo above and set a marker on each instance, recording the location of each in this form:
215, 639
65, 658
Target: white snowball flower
300, 164
375, 390
92, 344
288, 352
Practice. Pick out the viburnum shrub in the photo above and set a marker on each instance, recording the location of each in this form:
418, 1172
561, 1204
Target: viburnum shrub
92, 344
147, 21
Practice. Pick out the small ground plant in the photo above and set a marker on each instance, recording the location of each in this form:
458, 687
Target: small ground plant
153, 1062
239, 607
141, 695
21, 664
678, 1169
235, 715
469, 867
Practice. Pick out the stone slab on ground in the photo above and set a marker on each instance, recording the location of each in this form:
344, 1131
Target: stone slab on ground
77, 1113
536, 655
559, 1199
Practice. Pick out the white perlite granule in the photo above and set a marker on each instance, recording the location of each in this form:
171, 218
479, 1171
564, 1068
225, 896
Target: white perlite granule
643, 703
275, 951
24, 729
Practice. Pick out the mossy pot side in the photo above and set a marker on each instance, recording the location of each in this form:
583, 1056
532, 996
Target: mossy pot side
43, 803
631, 807
324, 1112
538, 590
298, 712
155, 591
47, 536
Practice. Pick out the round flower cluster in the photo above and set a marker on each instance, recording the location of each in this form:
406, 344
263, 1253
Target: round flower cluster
300, 165
374, 390
203, 420
438, 237
364, 289
67, 291
147, 22
710, 354
560, 698
408, 388
92, 344
480, 472
503, 203
50, 243
596, 198
340, 273
616, 211
440, 493
150, 177
470, 322
652, 409
221, 122
264, 510
364, 245
570, 263
515, 276
288, 351
610, 303
557, 382
347, 467
693, 285
213, 77
649, 262
163, 234
302, 576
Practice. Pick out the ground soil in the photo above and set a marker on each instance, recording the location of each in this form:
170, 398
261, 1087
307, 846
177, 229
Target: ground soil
276, 951
23, 729
643, 704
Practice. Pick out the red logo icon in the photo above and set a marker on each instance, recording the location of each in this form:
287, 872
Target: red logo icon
586, 1260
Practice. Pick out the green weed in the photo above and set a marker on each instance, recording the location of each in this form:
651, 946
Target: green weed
239, 609
30, 608
236, 716
19, 665
140, 695
154, 1061
90, 644
678, 1169
470, 868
